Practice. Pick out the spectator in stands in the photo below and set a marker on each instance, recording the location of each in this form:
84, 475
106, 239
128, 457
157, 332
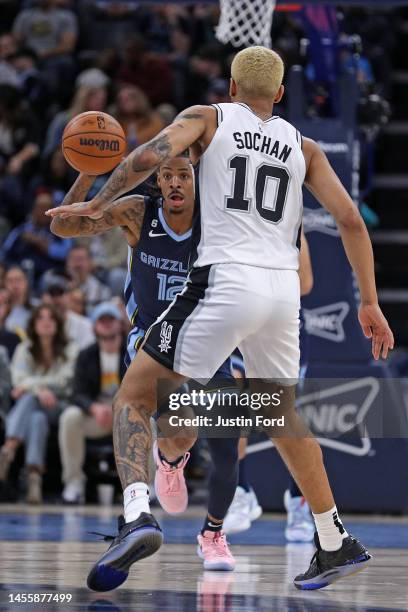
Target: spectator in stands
56, 174
52, 33
204, 68
8, 46
2, 274
151, 72
77, 328
136, 116
42, 370
5, 382
8, 339
98, 372
76, 301
34, 241
85, 99
79, 268
31, 81
218, 92
17, 284
19, 138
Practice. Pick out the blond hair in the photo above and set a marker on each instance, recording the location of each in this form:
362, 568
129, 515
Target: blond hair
258, 72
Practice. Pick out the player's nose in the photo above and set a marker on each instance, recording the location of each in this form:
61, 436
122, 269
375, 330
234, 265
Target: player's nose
175, 182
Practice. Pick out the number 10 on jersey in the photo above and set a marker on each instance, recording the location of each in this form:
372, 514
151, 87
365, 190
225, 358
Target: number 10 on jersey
269, 211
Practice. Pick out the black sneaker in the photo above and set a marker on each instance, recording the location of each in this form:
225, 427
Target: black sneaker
136, 540
327, 567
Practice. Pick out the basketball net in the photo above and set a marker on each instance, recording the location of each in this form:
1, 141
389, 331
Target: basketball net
245, 22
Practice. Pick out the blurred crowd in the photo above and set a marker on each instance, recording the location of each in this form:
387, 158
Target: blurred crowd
62, 321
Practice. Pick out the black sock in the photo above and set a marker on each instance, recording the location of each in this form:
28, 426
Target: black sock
171, 463
210, 525
242, 476
294, 489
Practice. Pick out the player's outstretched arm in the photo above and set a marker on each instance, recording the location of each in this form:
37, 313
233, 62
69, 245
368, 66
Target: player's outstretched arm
188, 127
323, 183
69, 227
126, 213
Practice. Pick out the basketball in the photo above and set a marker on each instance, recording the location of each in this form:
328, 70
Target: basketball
93, 143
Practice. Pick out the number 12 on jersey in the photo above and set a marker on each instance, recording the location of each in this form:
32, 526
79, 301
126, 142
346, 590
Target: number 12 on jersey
269, 211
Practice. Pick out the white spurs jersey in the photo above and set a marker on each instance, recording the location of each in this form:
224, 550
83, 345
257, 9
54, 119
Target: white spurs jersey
250, 182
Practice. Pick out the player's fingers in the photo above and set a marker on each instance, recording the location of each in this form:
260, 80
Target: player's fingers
367, 331
52, 212
385, 347
376, 346
391, 339
388, 344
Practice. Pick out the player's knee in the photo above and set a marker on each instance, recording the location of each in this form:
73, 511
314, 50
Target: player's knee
123, 400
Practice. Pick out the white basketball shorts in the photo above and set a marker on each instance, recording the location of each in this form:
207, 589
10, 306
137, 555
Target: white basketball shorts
224, 306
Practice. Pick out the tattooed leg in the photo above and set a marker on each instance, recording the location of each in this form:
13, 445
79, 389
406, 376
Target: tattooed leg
134, 404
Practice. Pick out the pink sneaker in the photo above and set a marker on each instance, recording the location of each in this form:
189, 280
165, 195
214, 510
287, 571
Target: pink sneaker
170, 484
213, 549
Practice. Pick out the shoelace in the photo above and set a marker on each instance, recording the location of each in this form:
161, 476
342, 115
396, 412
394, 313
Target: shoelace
109, 537
220, 549
172, 473
103, 536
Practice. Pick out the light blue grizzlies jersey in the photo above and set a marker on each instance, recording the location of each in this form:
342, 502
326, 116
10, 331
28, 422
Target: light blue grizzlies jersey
157, 269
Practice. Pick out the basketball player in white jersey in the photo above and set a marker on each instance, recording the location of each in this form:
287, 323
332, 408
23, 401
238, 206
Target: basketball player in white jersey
243, 290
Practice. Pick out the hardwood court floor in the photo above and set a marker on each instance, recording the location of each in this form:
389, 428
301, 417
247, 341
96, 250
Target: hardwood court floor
50, 550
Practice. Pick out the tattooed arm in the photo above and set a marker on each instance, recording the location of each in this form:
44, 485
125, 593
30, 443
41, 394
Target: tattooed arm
126, 213
68, 228
195, 124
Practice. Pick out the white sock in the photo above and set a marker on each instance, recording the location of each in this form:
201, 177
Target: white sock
330, 529
135, 501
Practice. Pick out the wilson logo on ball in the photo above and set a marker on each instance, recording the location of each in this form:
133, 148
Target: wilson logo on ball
103, 145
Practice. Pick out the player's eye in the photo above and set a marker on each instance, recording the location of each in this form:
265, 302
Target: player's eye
167, 177
185, 177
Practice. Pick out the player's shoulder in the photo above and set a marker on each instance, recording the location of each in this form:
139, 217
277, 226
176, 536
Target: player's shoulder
198, 111
310, 149
290, 128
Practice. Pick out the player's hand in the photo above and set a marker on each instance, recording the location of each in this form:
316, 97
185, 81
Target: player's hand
375, 326
90, 209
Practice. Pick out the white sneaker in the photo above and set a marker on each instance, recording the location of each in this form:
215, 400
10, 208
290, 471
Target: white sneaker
238, 515
255, 510
300, 526
74, 492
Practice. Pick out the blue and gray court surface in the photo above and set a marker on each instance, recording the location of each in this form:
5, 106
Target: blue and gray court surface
49, 551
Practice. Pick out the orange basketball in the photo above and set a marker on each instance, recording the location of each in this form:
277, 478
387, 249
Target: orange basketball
93, 143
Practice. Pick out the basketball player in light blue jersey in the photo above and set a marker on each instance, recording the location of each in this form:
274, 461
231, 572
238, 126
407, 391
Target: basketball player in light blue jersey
158, 231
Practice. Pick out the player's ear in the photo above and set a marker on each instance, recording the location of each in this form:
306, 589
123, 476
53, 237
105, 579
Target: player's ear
158, 179
232, 88
279, 95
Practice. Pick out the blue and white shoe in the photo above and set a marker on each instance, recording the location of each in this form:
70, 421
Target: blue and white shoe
327, 567
300, 525
135, 541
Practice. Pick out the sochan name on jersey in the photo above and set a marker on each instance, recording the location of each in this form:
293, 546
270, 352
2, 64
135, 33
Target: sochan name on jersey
327, 321
319, 220
102, 144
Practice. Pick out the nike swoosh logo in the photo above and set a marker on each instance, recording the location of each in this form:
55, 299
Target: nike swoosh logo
212, 524
153, 235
